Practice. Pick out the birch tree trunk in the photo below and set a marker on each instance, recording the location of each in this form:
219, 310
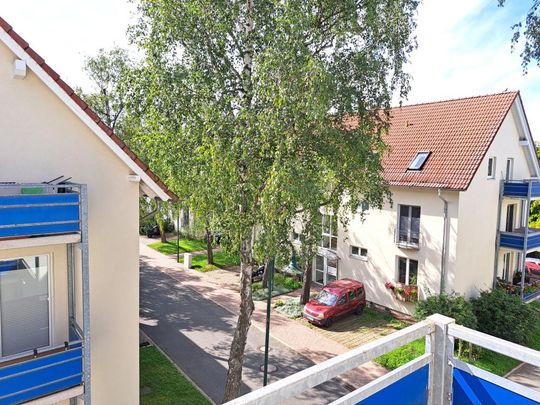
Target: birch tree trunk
238, 345
236, 356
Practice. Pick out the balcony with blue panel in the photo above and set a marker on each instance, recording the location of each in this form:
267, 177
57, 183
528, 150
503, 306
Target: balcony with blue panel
522, 189
42, 374
516, 240
40, 210
35, 361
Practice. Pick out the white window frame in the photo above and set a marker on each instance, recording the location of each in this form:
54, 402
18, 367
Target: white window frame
492, 161
407, 269
330, 235
50, 284
509, 174
419, 160
409, 241
359, 254
362, 207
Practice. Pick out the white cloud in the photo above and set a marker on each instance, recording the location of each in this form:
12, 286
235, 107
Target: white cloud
463, 45
464, 50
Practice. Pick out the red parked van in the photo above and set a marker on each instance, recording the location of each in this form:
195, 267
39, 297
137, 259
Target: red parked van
336, 299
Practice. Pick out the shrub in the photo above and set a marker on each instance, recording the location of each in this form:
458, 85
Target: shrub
279, 303
452, 305
289, 282
505, 316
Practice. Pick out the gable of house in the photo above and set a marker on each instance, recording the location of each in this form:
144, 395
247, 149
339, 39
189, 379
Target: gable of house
150, 182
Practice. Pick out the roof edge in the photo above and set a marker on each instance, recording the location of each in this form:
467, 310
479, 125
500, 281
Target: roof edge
62, 90
448, 100
503, 117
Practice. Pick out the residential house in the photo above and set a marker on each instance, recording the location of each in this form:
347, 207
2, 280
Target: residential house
69, 258
449, 165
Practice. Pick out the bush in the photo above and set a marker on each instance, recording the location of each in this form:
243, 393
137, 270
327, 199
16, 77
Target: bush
505, 316
279, 303
285, 281
452, 305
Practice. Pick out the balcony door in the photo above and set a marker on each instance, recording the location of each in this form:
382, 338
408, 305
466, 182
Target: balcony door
325, 269
24, 304
510, 217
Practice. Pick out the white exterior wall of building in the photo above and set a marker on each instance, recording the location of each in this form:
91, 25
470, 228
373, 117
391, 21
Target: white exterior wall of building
377, 234
478, 211
41, 140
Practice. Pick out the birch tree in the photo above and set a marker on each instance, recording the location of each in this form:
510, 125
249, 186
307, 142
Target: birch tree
249, 105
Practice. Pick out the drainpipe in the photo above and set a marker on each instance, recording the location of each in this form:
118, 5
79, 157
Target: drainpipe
443, 252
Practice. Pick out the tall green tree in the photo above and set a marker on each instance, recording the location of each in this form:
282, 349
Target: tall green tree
265, 111
107, 71
528, 31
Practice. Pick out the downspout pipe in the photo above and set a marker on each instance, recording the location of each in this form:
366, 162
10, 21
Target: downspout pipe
444, 242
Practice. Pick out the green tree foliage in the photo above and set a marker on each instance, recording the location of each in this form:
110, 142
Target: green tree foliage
528, 30
452, 305
248, 109
505, 316
108, 71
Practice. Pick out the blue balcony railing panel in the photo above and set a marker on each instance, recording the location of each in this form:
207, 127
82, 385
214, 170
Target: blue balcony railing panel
469, 389
520, 189
46, 214
515, 240
42, 376
409, 390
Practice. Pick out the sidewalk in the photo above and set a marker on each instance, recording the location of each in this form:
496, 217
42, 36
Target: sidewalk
221, 286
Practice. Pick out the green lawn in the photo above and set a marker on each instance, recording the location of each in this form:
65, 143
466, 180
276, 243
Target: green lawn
186, 245
485, 359
221, 259
163, 384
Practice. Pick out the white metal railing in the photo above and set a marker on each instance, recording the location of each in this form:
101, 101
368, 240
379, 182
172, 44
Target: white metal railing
313, 376
440, 332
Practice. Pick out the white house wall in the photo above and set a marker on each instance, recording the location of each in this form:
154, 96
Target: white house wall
478, 212
376, 233
41, 140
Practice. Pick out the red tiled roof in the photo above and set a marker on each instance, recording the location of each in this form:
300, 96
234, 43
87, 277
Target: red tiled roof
457, 132
69, 91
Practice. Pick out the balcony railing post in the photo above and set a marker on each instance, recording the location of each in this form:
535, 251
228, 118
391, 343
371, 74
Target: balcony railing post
85, 294
441, 346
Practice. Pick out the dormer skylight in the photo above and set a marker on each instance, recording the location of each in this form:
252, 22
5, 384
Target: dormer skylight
419, 160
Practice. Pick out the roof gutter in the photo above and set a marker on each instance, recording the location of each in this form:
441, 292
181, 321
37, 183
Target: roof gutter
444, 242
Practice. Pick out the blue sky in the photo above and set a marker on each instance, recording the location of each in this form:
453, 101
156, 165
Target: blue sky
463, 45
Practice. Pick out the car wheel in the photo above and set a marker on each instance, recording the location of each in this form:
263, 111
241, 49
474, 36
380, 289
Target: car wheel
328, 322
359, 310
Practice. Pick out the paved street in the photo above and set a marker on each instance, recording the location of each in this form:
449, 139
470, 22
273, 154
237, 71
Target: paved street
196, 333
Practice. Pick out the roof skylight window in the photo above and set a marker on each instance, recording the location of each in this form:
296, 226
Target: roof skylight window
419, 160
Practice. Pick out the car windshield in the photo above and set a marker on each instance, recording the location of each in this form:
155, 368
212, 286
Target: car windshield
326, 298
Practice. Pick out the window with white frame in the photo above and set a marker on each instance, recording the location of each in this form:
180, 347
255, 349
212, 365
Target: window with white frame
407, 271
359, 252
329, 232
362, 207
419, 160
509, 169
492, 161
409, 224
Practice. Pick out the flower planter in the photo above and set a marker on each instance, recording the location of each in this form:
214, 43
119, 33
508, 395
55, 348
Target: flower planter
405, 293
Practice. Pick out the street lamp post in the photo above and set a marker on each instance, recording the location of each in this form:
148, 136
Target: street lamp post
270, 269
